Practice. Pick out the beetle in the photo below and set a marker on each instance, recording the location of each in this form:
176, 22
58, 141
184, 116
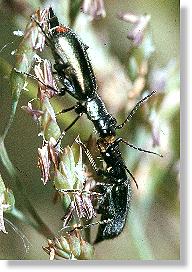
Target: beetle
75, 72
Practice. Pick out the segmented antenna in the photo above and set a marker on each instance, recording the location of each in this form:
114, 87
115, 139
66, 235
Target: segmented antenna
140, 149
131, 175
139, 103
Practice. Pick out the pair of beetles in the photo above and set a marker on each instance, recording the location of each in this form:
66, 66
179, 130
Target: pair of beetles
75, 73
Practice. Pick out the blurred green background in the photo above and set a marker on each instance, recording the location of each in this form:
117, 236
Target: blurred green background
152, 228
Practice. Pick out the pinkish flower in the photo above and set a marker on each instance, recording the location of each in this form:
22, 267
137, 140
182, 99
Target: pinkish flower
34, 113
44, 162
47, 84
47, 154
94, 8
41, 17
140, 23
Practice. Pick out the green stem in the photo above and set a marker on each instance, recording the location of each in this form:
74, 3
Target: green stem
139, 237
42, 228
23, 218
